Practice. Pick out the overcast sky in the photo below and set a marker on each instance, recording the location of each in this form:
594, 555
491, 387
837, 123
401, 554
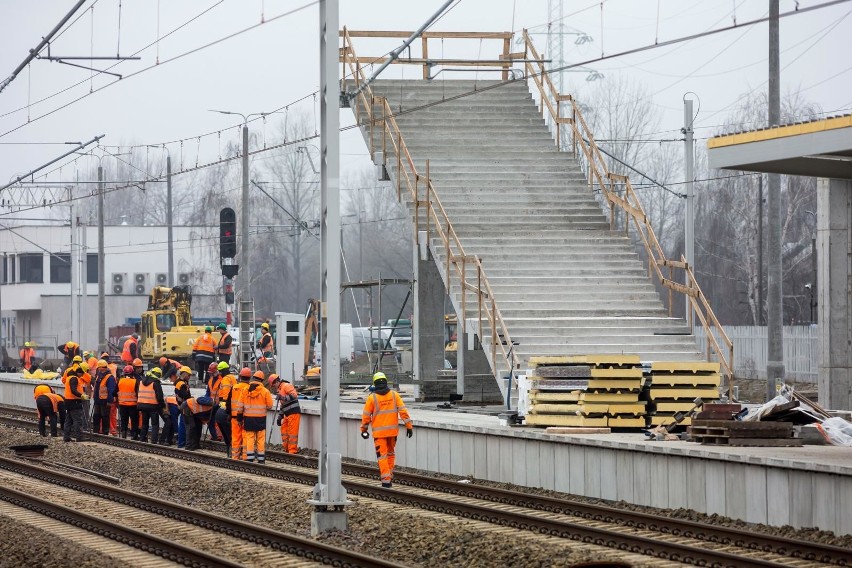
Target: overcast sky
276, 63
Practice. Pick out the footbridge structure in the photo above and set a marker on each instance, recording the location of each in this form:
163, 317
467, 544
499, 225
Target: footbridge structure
511, 196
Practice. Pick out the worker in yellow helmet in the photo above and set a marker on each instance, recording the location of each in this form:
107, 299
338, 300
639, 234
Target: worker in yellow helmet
383, 411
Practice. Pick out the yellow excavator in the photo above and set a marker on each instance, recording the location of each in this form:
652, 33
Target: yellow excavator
450, 338
166, 328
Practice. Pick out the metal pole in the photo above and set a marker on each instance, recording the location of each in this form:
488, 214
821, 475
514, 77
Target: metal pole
760, 304
101, 278
329, 496
84, 273
244, 253
774, 299
72, 257
170, 236
689, 222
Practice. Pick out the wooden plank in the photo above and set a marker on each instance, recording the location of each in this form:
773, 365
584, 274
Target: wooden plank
685, 366
736, 425
633, 373
406, 35
564, 420
770, 442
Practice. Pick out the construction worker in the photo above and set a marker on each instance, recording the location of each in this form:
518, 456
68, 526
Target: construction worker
266, 344
50, 406
225, 346
289, 413
256, 402
218, 388
112, 406
130, 349
170, 368
70, 350
196, 413
234, 405
28, 357
171, 416
204, 353
223, 423
383, 411
182, 394
138, 369
150, 402
128, 413
104, 395
74, 396
86, 380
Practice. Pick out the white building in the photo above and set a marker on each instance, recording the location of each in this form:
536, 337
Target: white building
35, 278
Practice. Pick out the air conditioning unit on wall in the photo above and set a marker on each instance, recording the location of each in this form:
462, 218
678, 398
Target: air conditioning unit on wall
140, 283
184, 278
162, 279
117, 283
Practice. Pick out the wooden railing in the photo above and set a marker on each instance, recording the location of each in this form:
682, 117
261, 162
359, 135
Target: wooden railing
583, 146
374, 113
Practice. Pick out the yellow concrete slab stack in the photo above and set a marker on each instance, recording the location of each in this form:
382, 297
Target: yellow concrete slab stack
587, 391
676, 384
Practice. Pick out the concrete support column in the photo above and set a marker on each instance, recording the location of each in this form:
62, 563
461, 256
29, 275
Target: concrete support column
834, 273
428, 329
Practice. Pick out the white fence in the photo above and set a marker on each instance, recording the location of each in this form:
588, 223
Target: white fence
801, 351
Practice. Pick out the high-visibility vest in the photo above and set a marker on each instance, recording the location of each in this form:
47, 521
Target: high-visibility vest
55, 399
126, 356
27, 354
256, 401
237, 398
267, 346
127, 391
383, 411
196, 408
80, 386
103, 390
146, 394
40, 390
171, 400
225, 350
204, 343
113, 369
221, 386
289, 399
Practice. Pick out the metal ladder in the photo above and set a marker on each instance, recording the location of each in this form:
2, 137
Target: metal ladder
247, 335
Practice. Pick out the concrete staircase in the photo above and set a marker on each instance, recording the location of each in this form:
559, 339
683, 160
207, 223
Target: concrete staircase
564, 283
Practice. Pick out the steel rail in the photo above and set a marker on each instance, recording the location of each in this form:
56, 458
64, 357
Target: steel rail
157, 546
561, 528
793, 548
286, 543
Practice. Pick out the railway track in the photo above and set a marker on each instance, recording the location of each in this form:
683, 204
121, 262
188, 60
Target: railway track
276, 548
664, 538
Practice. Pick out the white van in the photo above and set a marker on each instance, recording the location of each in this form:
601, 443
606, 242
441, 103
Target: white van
367, 339
347, 343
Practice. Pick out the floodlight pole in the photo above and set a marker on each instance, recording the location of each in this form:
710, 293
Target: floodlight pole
329, 496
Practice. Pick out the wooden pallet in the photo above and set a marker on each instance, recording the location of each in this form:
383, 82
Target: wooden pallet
735, 433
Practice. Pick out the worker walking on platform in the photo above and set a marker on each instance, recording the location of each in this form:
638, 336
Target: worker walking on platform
128, 413
204, 353
383, 411
151, 403
28, 357
104, 395
289, 413
225, 346
256, 402
50, 407
234, 405
74, 396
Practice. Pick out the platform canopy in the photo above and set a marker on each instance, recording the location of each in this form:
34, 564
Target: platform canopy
819, 148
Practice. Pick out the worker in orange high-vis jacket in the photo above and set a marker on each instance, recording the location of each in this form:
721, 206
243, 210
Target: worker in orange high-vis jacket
103, 395
234, 406
150, 402
266, 343
383, 411
204, 353
289, 413
74, 396
130, 349
28, 356
219, 385
128, 413
50, 407
224, 348
257, 400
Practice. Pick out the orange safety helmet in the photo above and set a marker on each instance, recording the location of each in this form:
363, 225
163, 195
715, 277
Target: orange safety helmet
163, 361
245, 372
128, 369
258, 375
272, 378
137, 362
211, 368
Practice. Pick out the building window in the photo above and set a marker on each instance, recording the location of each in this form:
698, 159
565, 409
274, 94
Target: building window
92, 268
32, 268
60, 268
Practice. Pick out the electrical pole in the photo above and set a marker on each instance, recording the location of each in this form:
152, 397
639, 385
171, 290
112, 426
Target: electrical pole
689, 222
84, 271
101, 278
760, 305
244, 230
72, 257
774, 300
329, 496
171, 249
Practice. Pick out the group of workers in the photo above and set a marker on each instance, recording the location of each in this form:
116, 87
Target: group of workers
130, 401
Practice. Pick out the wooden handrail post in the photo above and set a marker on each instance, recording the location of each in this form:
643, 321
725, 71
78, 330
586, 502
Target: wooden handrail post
416, 208
558, 125
479, 294
428, 202
398, 165
671, 292
425, 57
507, 45
370, 115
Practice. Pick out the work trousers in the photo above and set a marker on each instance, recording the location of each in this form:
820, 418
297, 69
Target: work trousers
100, 418
201, 364
170, 426
73, 420
128, 419
46, 414
254, 443
150, 416
225, 358
238, 448
290, 433
223, 423
113, 419
386, 457
194, 424
181, 432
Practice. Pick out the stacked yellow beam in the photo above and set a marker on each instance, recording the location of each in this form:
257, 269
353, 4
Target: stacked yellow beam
676, 384
586, 391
